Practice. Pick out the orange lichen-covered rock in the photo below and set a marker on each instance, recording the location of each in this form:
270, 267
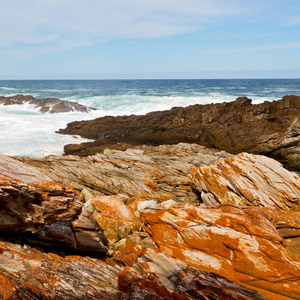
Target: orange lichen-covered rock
286, 223
149, 274
111, 214
241, 245
26, 273
248, 179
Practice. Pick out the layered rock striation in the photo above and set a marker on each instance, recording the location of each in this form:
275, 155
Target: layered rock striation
248, 179
167, 222
149, 173
240, 244
45, 105
269, 128
36, 210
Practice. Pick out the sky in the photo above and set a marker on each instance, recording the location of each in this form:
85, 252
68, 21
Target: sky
145, 39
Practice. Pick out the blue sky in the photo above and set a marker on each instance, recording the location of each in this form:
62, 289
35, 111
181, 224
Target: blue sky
112, 39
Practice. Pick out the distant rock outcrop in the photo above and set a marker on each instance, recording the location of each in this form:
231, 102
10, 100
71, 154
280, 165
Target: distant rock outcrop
269, 128
45, 105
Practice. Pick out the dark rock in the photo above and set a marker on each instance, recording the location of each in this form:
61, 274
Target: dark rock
269, 128
46, 105
40, 211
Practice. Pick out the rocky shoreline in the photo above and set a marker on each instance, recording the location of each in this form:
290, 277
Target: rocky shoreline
269, 128
153, 222
149, 211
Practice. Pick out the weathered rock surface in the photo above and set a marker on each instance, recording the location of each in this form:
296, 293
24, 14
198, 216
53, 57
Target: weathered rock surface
29, 274
29, 201
152, 275
171, 173
269, 128
40, 211
148, 173
239, 244
111, 215
248, 179
45, 105
187, 251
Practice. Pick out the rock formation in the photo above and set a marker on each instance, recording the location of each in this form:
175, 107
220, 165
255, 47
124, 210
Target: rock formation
248, 179
155, 275
269, 128
29, 273
41, 211
150, 218
45, 105
241, 245
151, 173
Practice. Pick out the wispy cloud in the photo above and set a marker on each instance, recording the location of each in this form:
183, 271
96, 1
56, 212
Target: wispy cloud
57, 23
258, 48
294, 21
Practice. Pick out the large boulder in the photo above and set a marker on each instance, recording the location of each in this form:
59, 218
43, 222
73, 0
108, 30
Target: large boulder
239, 244
269, 128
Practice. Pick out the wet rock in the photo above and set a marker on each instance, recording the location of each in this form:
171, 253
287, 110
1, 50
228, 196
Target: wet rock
248, 179
275, 129
236, 243
45, 105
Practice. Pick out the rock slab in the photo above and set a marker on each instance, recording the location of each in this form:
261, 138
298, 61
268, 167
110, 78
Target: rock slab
241, 245
248, 179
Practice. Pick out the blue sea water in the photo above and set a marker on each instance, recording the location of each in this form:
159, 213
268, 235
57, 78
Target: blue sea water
25, 131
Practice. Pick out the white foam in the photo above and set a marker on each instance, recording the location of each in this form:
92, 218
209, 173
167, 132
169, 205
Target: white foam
26, 131
29, 132
7, 88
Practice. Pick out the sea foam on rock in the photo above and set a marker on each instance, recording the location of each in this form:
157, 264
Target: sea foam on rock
45, 105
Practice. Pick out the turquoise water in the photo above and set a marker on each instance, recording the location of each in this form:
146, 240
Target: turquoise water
25, 131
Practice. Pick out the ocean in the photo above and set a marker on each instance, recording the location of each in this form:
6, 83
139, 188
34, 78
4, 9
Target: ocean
25, 131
